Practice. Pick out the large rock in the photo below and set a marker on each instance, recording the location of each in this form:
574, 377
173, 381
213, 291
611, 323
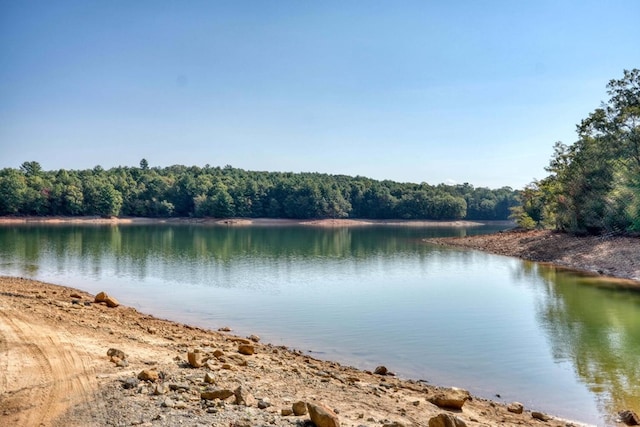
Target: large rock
540, 416
446, 420
322, 416
452, 398
108, 299
381, 370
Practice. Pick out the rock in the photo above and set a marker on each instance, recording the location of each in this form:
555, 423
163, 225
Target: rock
168, 403
246, 349
238, 360
263, 403
446, 420
322, 416
243, 397
159, 389
540, 416
452, 398
194, 358
224, 329
122, 363
286, 412
209, 379
216, 394
254, 338
75, 295
630, 418
114, 352
218, 354
515, 407
381, 370
108, 299
130, 383
393, 424
299, 408
181, 387
149, 375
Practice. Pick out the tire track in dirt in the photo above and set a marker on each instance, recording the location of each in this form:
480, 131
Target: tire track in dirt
43, 374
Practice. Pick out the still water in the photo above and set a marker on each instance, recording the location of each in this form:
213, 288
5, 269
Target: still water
366, 296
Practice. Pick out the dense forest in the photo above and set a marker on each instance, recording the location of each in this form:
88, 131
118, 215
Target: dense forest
223, 192
594, 183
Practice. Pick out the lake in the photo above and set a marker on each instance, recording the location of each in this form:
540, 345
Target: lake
554, 340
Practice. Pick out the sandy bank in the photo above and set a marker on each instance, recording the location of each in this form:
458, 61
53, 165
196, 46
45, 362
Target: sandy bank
54, 371
615, 256
242, 221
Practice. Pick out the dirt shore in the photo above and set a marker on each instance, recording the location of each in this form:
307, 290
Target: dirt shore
55, 371
613, 256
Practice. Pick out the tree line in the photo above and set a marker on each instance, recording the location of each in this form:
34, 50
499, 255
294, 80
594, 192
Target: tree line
594, 183
224, 192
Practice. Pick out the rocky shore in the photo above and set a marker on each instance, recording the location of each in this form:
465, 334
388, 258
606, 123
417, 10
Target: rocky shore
68, 358
613, 256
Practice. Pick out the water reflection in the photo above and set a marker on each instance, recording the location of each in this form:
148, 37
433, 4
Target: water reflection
453, 316
597, 329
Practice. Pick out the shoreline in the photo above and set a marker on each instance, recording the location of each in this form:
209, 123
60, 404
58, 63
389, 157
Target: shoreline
615, 258
329, 222
59, 338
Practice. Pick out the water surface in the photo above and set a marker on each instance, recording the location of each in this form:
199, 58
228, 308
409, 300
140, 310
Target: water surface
366, 296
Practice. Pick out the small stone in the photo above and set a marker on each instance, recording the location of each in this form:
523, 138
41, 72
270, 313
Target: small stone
122, 363
393, 424
381, 370
130, 383
254, 338
194, 358
286, 412
149, 375
540, 416
209, 379
453, 398
263, 404
246, 349
159, 389
218, 353
515, 407
446, 420
224, 329
322, 416
114, 352
75, 295
168, 403
299, 408
216, 394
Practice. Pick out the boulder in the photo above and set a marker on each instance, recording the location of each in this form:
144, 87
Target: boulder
194, 358
246, 349
515, 407
322, 416
149, 375
452, 398
216, 394
446, 420
299, 408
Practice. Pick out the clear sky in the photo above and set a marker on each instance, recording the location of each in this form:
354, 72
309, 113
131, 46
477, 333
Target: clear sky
413, 91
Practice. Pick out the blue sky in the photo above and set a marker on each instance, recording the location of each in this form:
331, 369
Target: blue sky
413, 91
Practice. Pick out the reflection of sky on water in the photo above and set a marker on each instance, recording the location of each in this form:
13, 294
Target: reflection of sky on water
366, 296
